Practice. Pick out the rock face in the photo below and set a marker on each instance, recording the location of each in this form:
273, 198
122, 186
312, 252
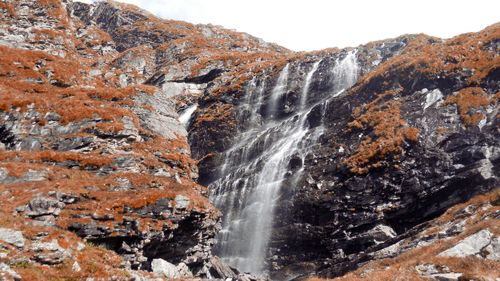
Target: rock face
418, 254
90, 143
318, 161
390, 133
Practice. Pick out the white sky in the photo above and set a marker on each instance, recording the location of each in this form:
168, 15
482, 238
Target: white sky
317, 24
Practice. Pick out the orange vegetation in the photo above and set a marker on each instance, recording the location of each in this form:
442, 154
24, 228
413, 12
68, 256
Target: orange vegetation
92, 160
432, 56
468, 100
8, 8
388, 128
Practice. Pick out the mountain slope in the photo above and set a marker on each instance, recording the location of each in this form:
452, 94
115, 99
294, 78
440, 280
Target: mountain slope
100, 179
414, 134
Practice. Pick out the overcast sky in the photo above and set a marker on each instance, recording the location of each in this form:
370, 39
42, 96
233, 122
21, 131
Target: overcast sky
317, 24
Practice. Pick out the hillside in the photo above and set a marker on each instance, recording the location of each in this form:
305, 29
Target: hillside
137, 148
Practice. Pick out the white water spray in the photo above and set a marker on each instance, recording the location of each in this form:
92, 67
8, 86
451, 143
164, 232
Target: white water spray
257, 164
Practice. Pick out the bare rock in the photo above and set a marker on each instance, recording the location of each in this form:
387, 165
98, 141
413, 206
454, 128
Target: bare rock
492, 251
7, 274
163, 268
49, 253
41, 206
437, 273
13, 237
181, 202
381, 233
183, 270
470, 246
221, 270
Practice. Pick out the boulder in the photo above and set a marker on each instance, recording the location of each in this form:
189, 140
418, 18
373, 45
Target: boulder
183, 270
41, 206
50, 253
381, 233
64, 197
452, 276
181, 202
221, 270
163, 268
32, 175
437, 273
13, 237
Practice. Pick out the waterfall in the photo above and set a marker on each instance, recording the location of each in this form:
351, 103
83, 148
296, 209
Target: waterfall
278, 90
185, 116
305, 91
345, 73
257, 164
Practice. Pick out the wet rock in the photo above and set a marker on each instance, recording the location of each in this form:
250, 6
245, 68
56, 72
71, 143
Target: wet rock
221, 270
295, 163
13, 237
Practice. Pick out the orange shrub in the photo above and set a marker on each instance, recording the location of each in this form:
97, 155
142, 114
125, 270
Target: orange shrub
467, 100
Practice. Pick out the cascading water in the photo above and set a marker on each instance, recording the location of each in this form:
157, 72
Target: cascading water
278, 90
345, 73
258, 163
185, 116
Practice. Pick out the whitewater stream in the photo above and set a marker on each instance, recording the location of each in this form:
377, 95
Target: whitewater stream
257, 164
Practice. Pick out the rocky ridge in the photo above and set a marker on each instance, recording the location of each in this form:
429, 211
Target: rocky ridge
98, 179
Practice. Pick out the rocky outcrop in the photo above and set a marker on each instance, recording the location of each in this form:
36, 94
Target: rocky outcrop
481, 244
418, 255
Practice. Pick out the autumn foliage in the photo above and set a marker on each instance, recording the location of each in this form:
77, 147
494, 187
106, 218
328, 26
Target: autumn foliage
468, 100
389, 131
